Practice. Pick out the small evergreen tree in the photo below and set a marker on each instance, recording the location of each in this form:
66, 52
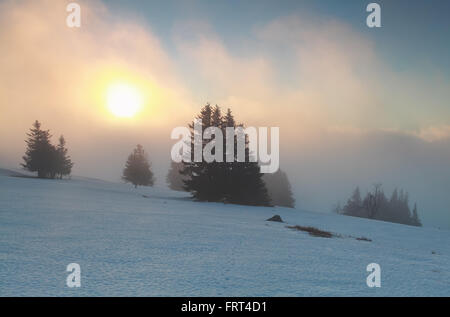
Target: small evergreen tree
337, 208
415, 217
279, 189
137, 169
354, 206
64, 163
175, 178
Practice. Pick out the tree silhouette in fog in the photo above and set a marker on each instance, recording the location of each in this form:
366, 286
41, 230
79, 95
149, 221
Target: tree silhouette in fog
376, 205
232, 182
174, 178
43, 157
279, 189
64, 163
137, 168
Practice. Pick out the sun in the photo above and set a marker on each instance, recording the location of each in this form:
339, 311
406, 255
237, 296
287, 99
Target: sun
123, 100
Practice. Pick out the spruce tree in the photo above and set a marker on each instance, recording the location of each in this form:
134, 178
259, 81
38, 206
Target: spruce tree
175, 177
415, 217
354, 206
64, 163
279, 189
137, 169
217, 170
197, 181
40, 155
245, 184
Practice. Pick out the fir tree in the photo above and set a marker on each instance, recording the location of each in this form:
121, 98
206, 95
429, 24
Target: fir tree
137, 169
337, 208
64, 163
244, 182
279, 189
197, 180
174, 176
415, 217
354, 206
40, 155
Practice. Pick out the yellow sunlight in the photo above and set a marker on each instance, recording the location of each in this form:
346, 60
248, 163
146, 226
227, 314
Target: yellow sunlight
123, 100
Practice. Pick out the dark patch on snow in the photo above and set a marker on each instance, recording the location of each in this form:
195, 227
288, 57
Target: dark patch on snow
325, 234
313, 231
275, 218
364, 239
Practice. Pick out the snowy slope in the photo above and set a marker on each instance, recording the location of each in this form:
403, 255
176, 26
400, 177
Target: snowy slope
165, 244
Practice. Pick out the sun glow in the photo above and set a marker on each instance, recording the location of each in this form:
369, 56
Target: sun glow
124, 101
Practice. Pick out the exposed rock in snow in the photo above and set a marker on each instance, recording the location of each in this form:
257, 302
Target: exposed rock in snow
275, 218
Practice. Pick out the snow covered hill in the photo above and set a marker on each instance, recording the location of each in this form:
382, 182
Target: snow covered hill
156, 242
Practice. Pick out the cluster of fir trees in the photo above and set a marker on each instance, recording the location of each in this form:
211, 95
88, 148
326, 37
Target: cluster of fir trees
41, 156
232, 182
376, 205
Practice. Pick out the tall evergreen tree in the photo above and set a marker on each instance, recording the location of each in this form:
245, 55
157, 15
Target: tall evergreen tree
40, 155
137, 168
197, 181
244, 182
